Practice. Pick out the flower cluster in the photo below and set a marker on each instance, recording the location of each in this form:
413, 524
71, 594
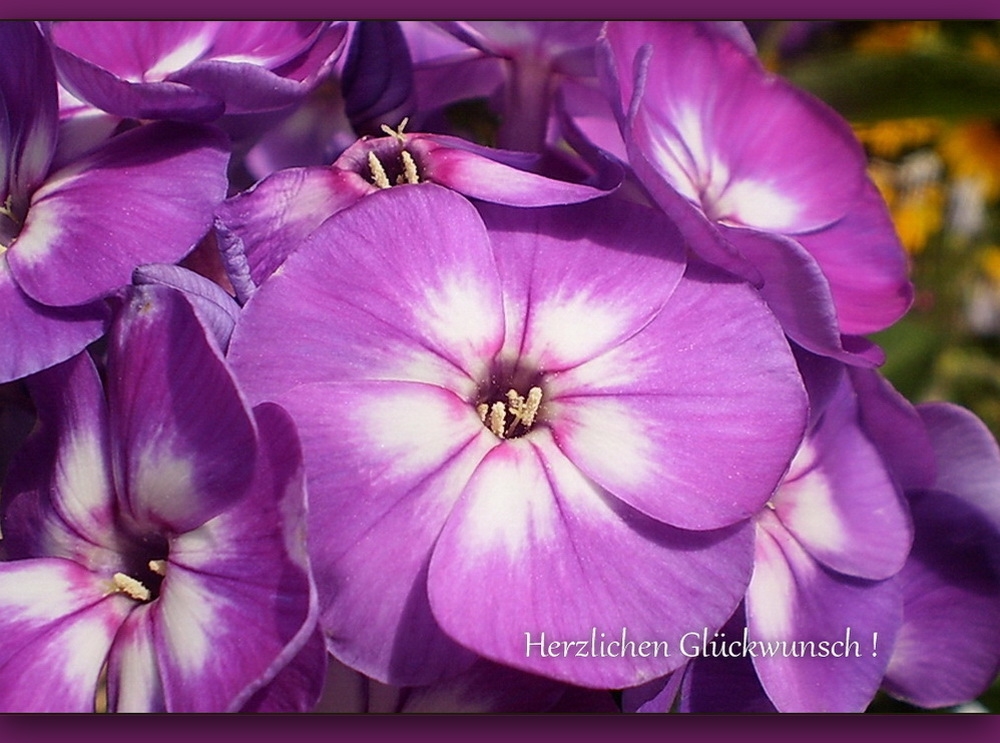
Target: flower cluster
507, 366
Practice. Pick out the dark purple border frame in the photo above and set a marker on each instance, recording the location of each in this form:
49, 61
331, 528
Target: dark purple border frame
486, 729
451, 9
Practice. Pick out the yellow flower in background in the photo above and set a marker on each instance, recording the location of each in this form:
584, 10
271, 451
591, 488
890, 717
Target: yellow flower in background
972, 150
895, 36
892, 137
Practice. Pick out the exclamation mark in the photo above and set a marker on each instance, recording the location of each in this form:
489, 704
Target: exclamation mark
874, 644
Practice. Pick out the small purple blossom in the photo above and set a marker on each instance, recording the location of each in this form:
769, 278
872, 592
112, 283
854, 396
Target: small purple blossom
149, 528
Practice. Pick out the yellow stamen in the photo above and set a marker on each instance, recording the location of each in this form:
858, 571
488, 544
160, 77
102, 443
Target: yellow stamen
523, 412
379, 178
409, 168
158, 566
497, 416
130, 587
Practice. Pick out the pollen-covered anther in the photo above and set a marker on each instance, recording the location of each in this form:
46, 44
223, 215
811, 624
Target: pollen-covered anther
409, 169
522, 410
158, 566
379, 177
498, 414
130, 587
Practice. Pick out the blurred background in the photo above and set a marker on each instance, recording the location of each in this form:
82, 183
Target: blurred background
924, 99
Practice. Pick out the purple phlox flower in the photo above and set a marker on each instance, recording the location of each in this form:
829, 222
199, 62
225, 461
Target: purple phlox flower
484, 688
503, 440
71, 236
193, 70
765, 181
822, 609
948, 648
260, 227
154, 533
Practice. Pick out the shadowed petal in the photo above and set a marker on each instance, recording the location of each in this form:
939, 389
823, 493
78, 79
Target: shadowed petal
28, 111
797, 291
298, 686
59, 496
216, 309
867, 268
948, 647
968, 460
147, 196
726, 685
34, 336
182, 435
566, 560
839, 498
242, 574
794, 599
417, 445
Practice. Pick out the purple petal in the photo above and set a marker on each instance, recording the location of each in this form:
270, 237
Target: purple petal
896, 428
411, 263
35, 336
559, 311
866, 266
723, 684
534, 553
269, 44
377, 80
497, 176
216, 309
657, 695
694, 419
182, 435
274, 216
746, 146
134, 683
28, 103
59, 498
245, 88
839, 499
968, 460
299, 685
796, 290
146, 50
948, 649
371, 537
120, 67
792, 599
242, 574
147, 196
58, 620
